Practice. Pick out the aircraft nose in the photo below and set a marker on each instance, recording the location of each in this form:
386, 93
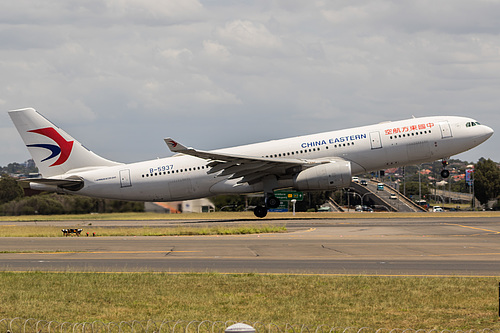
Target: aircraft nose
488, 131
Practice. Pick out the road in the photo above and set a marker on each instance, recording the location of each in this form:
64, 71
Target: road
401, 246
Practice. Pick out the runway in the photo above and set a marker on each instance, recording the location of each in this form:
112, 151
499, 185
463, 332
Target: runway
401, 246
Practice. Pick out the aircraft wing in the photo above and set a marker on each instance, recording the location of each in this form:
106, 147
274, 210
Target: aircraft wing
250, 168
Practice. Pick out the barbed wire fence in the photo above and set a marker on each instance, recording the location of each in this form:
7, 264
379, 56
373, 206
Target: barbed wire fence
22, 325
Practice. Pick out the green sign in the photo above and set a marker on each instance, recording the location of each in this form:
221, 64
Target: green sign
289, 195
282, 208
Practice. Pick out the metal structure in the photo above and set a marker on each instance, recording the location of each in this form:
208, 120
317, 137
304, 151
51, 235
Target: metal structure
20, 325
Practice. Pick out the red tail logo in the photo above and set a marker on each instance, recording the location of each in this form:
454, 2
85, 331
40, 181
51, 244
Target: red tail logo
63, 148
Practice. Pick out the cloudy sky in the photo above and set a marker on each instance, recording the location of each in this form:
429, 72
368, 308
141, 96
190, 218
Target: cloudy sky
120, 75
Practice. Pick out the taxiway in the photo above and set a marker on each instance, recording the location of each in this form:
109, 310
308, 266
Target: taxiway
401, 246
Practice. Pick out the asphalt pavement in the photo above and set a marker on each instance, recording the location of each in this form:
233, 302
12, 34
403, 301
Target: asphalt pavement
398, 246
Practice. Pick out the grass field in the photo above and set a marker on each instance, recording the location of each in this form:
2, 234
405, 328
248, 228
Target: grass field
52, 231
356, 301
359, 301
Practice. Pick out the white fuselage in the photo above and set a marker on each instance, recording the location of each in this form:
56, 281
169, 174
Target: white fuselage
368, 148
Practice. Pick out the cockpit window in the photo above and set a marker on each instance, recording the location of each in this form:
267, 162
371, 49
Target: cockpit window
472, 123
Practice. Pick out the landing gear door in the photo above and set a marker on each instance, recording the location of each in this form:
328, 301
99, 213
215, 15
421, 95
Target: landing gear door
125, 178
445, 130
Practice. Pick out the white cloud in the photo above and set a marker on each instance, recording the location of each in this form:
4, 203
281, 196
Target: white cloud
216, 50
250, 35
128, 70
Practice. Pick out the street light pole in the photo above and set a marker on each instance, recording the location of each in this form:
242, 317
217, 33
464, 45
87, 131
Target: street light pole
419, 182
404, 181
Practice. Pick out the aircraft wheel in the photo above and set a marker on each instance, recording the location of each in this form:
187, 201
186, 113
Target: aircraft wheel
272, 202
260, 211
445, 173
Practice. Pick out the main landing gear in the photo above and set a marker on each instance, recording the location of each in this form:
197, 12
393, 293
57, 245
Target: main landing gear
445, 173
270, 202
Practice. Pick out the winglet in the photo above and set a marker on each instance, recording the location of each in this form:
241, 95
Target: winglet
175, 146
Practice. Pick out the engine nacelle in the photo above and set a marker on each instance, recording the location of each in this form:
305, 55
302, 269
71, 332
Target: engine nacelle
323, 177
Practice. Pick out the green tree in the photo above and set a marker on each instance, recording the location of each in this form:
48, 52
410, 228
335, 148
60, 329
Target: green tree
412, 189
9, 189
486, 180
312, 200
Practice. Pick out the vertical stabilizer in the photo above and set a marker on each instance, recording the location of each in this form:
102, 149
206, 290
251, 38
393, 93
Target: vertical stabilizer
54, 151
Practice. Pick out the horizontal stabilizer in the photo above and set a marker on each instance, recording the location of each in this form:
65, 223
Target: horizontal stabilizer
68, 183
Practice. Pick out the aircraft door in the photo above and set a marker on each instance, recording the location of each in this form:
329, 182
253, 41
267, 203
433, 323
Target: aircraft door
375, 140
445, 130
125, 178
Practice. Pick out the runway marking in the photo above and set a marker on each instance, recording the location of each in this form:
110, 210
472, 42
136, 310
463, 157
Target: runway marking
466, 226
361, 257
165, 251
98, 252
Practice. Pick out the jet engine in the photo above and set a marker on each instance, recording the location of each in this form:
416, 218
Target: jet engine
323, 177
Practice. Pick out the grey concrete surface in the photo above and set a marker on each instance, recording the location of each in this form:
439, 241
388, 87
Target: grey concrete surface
430, 246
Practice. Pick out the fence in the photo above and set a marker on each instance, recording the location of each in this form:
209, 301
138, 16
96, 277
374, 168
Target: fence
20, 325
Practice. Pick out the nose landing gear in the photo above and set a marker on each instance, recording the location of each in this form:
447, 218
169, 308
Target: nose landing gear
445, 173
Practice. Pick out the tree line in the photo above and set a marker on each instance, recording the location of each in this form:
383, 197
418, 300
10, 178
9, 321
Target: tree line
14, 202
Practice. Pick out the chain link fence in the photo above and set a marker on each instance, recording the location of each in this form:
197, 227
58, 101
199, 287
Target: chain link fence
21, 325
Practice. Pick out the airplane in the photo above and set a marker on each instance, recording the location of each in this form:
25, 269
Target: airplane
316, 162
